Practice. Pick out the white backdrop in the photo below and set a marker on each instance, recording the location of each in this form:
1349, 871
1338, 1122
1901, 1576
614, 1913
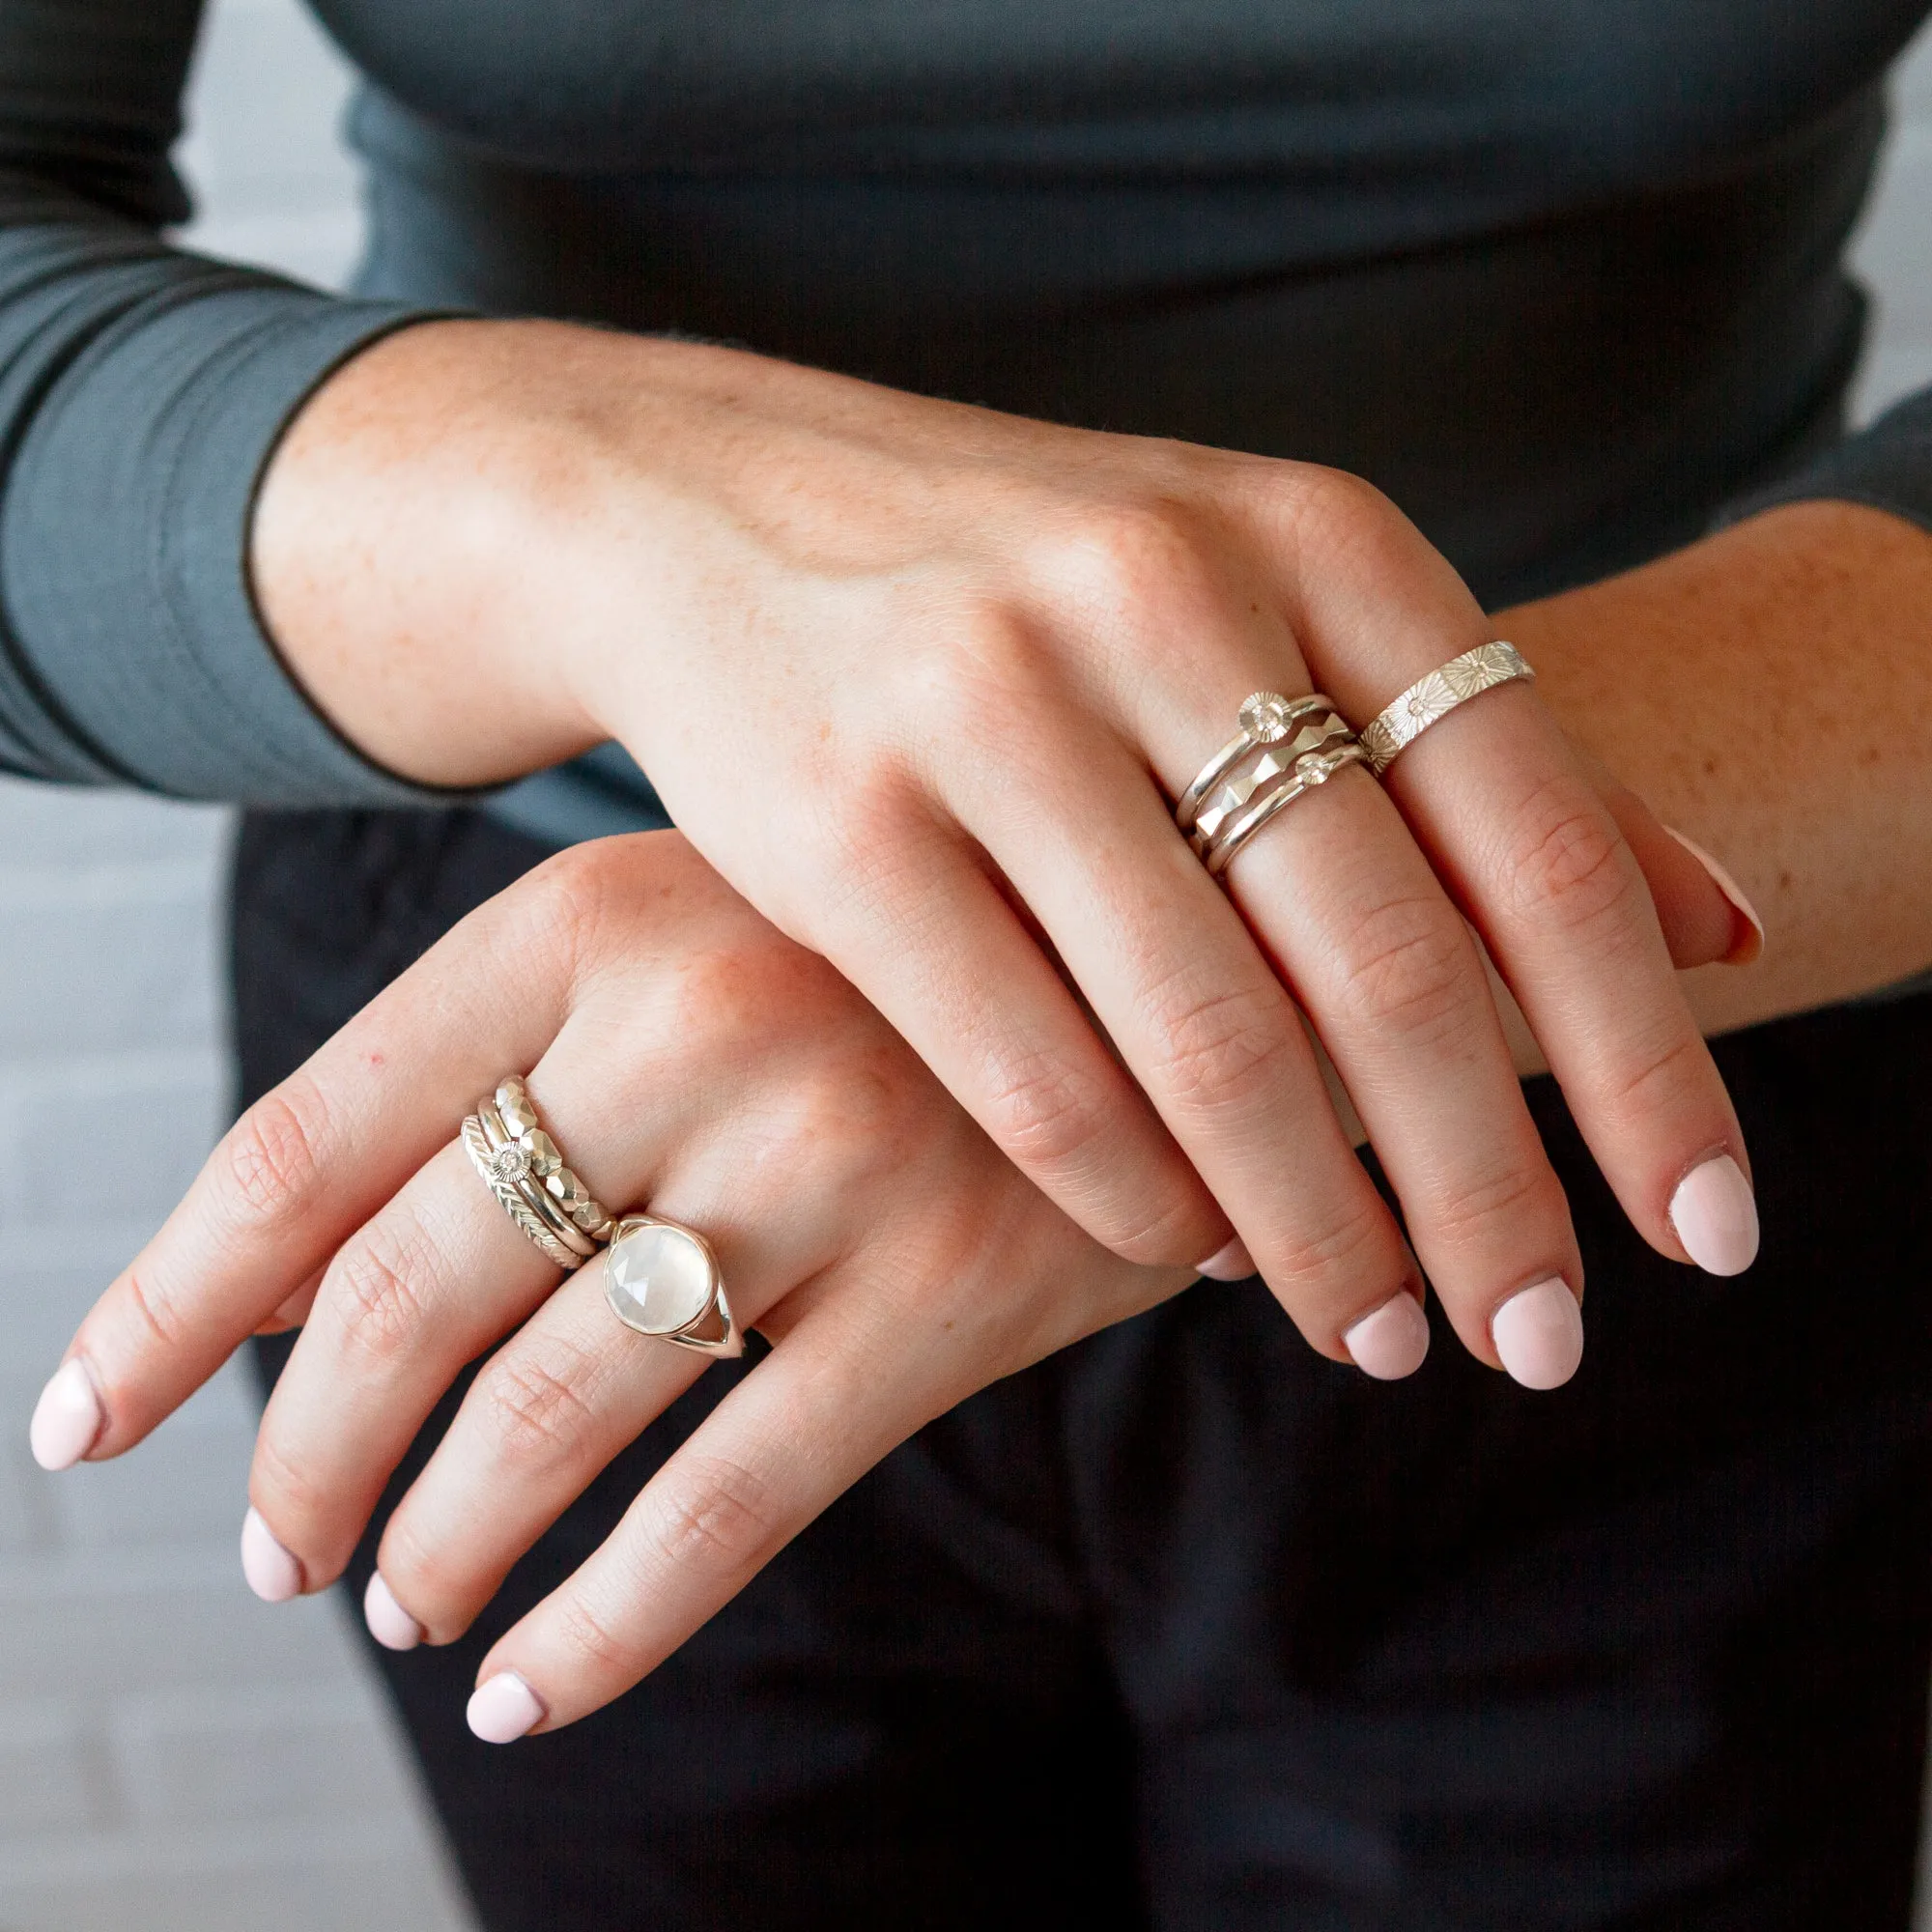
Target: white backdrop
174, 1756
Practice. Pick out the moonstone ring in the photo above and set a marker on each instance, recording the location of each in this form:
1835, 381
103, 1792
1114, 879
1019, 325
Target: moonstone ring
662, 1279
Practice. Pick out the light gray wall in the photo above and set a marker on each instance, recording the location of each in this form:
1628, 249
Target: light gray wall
174, 1756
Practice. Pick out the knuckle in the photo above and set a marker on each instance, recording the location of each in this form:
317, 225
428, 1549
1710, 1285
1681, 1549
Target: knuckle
1225, 1050
1047, 1116
1656, 1081
165, 1324
536, 1413
381, 1285
1570, 872
586, 1637
714, 1517
1327, 1261
1411, 970
275, 1151
286, 1495
1483, 1203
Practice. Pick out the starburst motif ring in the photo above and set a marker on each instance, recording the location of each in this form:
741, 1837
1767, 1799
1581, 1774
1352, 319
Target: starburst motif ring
1430, 700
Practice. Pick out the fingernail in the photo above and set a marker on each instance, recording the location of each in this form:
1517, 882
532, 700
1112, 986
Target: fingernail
1538, 1334
1744, 945
1390, 1343
1233, 1262
1715, 1216
389, 1624
503, 1709
272, 1574
67, 1418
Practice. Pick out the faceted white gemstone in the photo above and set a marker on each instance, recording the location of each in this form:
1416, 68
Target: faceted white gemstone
660, 1280
512, 1162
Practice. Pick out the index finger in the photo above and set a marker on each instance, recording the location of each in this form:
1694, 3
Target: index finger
295, 1177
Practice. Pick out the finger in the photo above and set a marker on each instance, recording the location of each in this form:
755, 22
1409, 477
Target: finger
435, 1276
1703, 911
944, 958
1533, 856
841, 1390
546, 1414
1199, 1015
1388, 971
294, 1312
313, 1159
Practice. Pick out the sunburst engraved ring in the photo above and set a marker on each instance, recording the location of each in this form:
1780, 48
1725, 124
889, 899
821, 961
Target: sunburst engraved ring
1430, 700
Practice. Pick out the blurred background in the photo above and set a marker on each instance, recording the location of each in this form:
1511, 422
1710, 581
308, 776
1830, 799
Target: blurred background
175, 1756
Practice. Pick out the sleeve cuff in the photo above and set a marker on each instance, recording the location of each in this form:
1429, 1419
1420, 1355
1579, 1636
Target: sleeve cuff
127, 560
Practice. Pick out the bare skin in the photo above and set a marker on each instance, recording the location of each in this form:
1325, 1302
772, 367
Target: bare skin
1768, 690
921, 681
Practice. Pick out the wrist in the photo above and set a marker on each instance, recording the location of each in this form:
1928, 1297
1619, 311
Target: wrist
397, 553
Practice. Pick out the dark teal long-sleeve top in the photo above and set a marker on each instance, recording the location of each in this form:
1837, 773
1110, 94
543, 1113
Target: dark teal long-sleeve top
1563, 277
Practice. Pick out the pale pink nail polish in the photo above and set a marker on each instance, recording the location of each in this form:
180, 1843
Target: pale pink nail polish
1538, 1334
503, 1709
1390, 1343
389, 1624
1715, 1216
67, 1418
273, 1574
1232, 1262
1743, 953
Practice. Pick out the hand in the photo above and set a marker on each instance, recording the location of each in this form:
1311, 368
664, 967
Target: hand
921, 681
686, 1053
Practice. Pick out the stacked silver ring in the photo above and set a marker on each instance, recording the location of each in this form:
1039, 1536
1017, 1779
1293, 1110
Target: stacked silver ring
660, 1277
1285, 748
521, 1167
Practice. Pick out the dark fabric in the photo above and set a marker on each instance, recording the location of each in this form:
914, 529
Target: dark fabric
1187, 1629
1562, 279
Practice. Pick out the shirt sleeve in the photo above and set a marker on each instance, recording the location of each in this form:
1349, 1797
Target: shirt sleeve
142, 390
1888, 466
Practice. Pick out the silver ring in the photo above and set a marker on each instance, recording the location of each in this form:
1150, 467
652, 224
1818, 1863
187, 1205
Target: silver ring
1238, 791
1430, 700
662, 1279
1314, 768
522, 1168
1266, 718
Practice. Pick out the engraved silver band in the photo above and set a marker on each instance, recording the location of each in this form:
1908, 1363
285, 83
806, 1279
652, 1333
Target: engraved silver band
522, 1166
1430, 700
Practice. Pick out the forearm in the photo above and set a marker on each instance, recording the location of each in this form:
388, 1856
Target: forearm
1769, 691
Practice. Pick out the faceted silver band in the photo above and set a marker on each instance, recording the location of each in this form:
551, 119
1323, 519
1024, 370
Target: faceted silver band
510, 1197
511, 1160
662, 1279
1266, 718
521, 1167
1430, 700
1227, 801
1312, 769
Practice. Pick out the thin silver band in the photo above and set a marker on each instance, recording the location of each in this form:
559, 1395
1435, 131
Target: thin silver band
1266, 718
1312, 769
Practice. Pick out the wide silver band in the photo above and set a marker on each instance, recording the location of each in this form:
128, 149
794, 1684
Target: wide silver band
1312, 770
1430, 700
